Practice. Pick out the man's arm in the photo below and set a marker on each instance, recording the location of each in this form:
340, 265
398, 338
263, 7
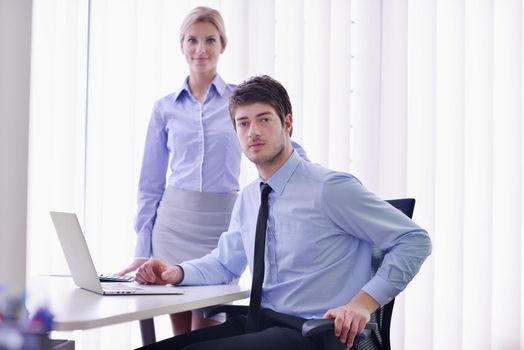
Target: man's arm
365, 216
222, 265
225, 263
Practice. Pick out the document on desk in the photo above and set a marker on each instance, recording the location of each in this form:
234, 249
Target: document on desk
82, 267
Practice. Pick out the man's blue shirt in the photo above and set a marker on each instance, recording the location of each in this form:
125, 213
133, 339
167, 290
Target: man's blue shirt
320, 230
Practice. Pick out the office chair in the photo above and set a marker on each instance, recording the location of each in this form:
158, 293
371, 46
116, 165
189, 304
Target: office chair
376, 334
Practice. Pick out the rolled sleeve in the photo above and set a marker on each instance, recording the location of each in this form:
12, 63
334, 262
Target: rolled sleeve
192, 275
380, 290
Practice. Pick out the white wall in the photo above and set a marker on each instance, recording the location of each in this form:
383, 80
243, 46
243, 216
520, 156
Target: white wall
15, 48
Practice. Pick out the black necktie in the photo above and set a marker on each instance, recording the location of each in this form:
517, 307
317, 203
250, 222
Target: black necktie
253, 316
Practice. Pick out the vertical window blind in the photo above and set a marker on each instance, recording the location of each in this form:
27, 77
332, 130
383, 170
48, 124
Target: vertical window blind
416, 98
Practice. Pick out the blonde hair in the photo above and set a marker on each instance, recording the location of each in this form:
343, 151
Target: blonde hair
204, 14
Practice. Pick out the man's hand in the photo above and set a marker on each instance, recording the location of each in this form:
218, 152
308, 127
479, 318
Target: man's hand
132, 267
156, 271
350, 319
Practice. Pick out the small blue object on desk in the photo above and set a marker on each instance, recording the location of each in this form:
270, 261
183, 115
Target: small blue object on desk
17, 330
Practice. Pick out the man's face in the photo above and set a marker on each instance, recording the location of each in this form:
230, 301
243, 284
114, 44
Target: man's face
261, 134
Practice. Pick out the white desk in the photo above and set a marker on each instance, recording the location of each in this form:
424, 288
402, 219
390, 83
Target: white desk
77, 309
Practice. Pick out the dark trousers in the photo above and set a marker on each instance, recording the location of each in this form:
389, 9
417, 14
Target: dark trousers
278, 331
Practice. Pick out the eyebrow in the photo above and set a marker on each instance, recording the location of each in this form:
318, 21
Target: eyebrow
240, 118
207, 37
256, 116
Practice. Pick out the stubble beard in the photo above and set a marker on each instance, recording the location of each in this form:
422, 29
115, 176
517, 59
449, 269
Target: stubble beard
272, 158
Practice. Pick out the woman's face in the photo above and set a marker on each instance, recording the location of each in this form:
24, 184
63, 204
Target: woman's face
202, 47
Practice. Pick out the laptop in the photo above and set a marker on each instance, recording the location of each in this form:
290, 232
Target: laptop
82, 267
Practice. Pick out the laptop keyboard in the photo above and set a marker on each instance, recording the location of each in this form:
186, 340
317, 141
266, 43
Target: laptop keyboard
115, 278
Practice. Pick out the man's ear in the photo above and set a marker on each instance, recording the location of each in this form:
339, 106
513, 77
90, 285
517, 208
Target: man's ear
288, 123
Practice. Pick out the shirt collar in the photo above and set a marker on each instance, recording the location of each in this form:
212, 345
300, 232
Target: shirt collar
281, 177
217, 82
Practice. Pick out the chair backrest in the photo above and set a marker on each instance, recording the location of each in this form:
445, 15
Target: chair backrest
380, 339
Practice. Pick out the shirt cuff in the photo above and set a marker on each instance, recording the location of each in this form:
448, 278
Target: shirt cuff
191, 275
380, 290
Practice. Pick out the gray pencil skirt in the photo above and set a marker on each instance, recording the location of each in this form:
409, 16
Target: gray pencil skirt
188, 224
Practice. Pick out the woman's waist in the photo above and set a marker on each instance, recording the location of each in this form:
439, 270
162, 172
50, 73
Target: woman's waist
205, 180
199, 200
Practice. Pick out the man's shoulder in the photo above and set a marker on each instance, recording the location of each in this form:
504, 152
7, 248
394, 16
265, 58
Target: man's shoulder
315, 172
231, 87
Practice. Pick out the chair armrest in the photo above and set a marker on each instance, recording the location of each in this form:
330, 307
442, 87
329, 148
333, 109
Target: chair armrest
315, 326
229, 310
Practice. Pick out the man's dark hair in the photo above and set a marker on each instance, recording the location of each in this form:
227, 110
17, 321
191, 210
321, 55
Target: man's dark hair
261, 89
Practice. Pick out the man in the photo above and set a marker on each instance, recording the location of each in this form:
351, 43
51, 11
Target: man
320, 228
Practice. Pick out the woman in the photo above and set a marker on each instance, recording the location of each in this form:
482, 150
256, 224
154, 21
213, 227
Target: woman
191, 134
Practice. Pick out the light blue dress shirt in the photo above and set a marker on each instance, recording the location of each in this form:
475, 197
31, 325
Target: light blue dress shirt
196, 142
321, 227
194, 145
